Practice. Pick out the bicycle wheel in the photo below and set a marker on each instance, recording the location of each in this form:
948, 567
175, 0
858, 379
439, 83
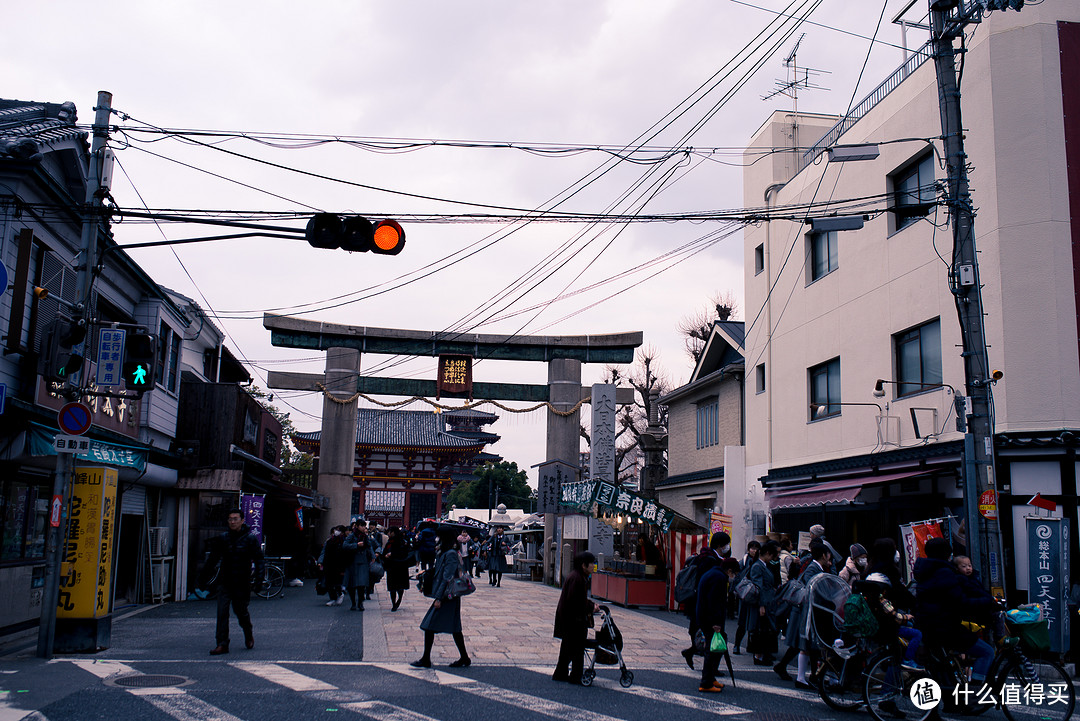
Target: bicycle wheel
273, 582
1031, 689
840, 680
887, 691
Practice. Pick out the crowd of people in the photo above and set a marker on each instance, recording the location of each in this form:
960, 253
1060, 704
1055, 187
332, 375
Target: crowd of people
759, 591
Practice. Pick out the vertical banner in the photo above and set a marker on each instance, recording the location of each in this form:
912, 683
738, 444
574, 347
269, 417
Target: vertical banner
907, 541
553, 474
251, 506
86, 565
602, 446
1048, 574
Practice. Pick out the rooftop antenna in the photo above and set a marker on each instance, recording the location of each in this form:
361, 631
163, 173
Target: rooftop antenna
790, 87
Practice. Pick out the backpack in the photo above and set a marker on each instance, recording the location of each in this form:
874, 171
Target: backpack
859, 620
686, 582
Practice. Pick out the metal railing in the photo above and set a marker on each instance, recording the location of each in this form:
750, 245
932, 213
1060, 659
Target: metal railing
878, 94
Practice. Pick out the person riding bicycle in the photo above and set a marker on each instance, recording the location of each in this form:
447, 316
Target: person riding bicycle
890, 601
941, 606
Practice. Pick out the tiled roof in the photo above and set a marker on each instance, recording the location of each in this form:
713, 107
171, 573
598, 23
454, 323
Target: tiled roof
28, 127
414, 429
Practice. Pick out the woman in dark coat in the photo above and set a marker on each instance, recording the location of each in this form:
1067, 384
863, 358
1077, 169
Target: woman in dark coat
444, 616
759, 624
572, 620
357, 573
396, 558
332, 564
496, 549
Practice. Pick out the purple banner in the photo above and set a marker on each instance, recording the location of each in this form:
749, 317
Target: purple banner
252, 508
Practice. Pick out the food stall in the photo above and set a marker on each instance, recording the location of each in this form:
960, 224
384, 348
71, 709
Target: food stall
644, 534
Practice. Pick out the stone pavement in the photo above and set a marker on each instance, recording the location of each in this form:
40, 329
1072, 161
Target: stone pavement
510, 625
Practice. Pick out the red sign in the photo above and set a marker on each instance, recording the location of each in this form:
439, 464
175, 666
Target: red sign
54, 515
455, 375
74, 418
988, 504
1044, 503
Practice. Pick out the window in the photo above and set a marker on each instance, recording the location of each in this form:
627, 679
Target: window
168, 358
759, 259
913, 191
759, 378
825, 389
823, 258
708, 424
918, 358
24, 512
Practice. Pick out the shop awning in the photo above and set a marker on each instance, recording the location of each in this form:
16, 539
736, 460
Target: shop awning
834, 492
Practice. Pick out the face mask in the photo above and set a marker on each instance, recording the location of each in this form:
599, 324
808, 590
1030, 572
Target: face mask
337, 533
896, 557
861, 563
725, 549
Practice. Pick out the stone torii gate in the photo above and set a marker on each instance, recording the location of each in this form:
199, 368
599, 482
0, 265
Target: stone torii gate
342, 381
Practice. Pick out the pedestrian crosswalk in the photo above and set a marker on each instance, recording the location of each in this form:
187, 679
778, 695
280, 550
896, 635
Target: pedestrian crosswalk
250, 690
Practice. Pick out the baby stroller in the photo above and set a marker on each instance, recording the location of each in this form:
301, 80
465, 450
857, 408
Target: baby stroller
606, 648
840, 673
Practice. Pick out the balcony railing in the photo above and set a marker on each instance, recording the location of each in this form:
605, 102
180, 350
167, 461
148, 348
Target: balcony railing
865, 105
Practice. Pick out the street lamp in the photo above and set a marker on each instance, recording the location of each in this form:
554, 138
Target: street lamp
820, 410
879, 387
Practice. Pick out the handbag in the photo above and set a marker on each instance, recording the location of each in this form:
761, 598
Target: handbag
424, 582
746, 590
376, 571
460, 586
699, 641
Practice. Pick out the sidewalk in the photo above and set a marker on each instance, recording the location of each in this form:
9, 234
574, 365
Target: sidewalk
509, 625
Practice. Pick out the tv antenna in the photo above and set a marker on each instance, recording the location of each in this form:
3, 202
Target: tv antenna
798, 78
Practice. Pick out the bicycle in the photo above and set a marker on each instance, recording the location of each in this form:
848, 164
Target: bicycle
888, 686
273, 581
840, 676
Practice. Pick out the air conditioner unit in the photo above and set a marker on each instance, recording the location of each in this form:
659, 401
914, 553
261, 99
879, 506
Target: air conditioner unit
159, 541
161, 576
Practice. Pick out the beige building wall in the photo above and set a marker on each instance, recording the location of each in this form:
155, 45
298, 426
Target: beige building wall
888, 281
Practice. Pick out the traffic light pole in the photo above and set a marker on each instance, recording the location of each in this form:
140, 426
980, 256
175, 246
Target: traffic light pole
983, 533
96, 190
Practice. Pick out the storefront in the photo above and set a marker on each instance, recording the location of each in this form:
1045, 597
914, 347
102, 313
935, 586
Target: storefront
644, 539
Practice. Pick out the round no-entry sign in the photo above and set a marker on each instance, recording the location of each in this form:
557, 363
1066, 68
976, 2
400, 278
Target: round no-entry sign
74, 418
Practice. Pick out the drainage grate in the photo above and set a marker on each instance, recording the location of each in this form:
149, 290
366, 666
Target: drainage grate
149, 681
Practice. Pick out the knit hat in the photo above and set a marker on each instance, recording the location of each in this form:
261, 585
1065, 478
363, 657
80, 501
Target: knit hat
857, 550
817, 530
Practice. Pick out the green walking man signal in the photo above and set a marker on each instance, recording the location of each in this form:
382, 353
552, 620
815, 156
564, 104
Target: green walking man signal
140, 360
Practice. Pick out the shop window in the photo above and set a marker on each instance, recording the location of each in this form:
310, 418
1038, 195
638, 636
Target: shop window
24, 512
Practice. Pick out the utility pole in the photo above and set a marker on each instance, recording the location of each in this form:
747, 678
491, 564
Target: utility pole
96, 189
948, 19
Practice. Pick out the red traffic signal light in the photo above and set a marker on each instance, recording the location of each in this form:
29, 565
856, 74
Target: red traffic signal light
355, 234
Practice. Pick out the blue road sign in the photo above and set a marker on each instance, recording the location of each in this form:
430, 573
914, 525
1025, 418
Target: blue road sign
74, 418
110, 358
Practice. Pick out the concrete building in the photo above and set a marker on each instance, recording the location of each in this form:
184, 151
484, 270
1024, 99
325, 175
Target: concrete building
837, 312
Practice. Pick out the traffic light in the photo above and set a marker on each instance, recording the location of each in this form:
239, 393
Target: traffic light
355, 234
61, 360
140, 359
1004, 4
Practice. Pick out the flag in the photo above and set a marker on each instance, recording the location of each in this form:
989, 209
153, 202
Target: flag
1045, 503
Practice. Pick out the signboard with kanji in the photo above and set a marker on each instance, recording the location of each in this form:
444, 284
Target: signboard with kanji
455, 375
1048, 575
553, 475
110, 357
602, 434
86, 560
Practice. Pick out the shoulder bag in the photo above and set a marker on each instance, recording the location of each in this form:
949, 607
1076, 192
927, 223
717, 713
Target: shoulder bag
460, 586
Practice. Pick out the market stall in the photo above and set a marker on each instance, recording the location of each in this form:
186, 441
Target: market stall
639, 572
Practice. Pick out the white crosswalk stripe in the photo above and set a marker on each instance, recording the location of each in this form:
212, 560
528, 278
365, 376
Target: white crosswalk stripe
710, 704
172, 700
282, 676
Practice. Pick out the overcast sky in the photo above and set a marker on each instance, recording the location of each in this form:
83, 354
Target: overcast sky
573, 73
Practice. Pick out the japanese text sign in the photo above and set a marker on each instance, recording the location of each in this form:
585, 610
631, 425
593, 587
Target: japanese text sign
1048, 575
251, 506
86, 557
110, 357
602, 436
455, 375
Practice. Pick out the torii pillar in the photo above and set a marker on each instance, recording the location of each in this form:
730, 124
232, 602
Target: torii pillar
563, 437
337, 442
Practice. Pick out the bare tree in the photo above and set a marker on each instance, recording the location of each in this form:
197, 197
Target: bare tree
696, 327
645, 376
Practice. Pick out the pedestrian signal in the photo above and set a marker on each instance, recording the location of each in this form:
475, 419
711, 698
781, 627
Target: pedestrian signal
140, 360
355, 234
60, 359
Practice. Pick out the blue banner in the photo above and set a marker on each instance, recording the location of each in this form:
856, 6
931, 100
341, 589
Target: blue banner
251, 506
1048, 575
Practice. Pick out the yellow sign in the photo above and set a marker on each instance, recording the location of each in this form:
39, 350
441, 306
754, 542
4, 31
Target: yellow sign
86, 566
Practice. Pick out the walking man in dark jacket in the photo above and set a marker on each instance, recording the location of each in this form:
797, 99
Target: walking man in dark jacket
573, 616
235, 550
